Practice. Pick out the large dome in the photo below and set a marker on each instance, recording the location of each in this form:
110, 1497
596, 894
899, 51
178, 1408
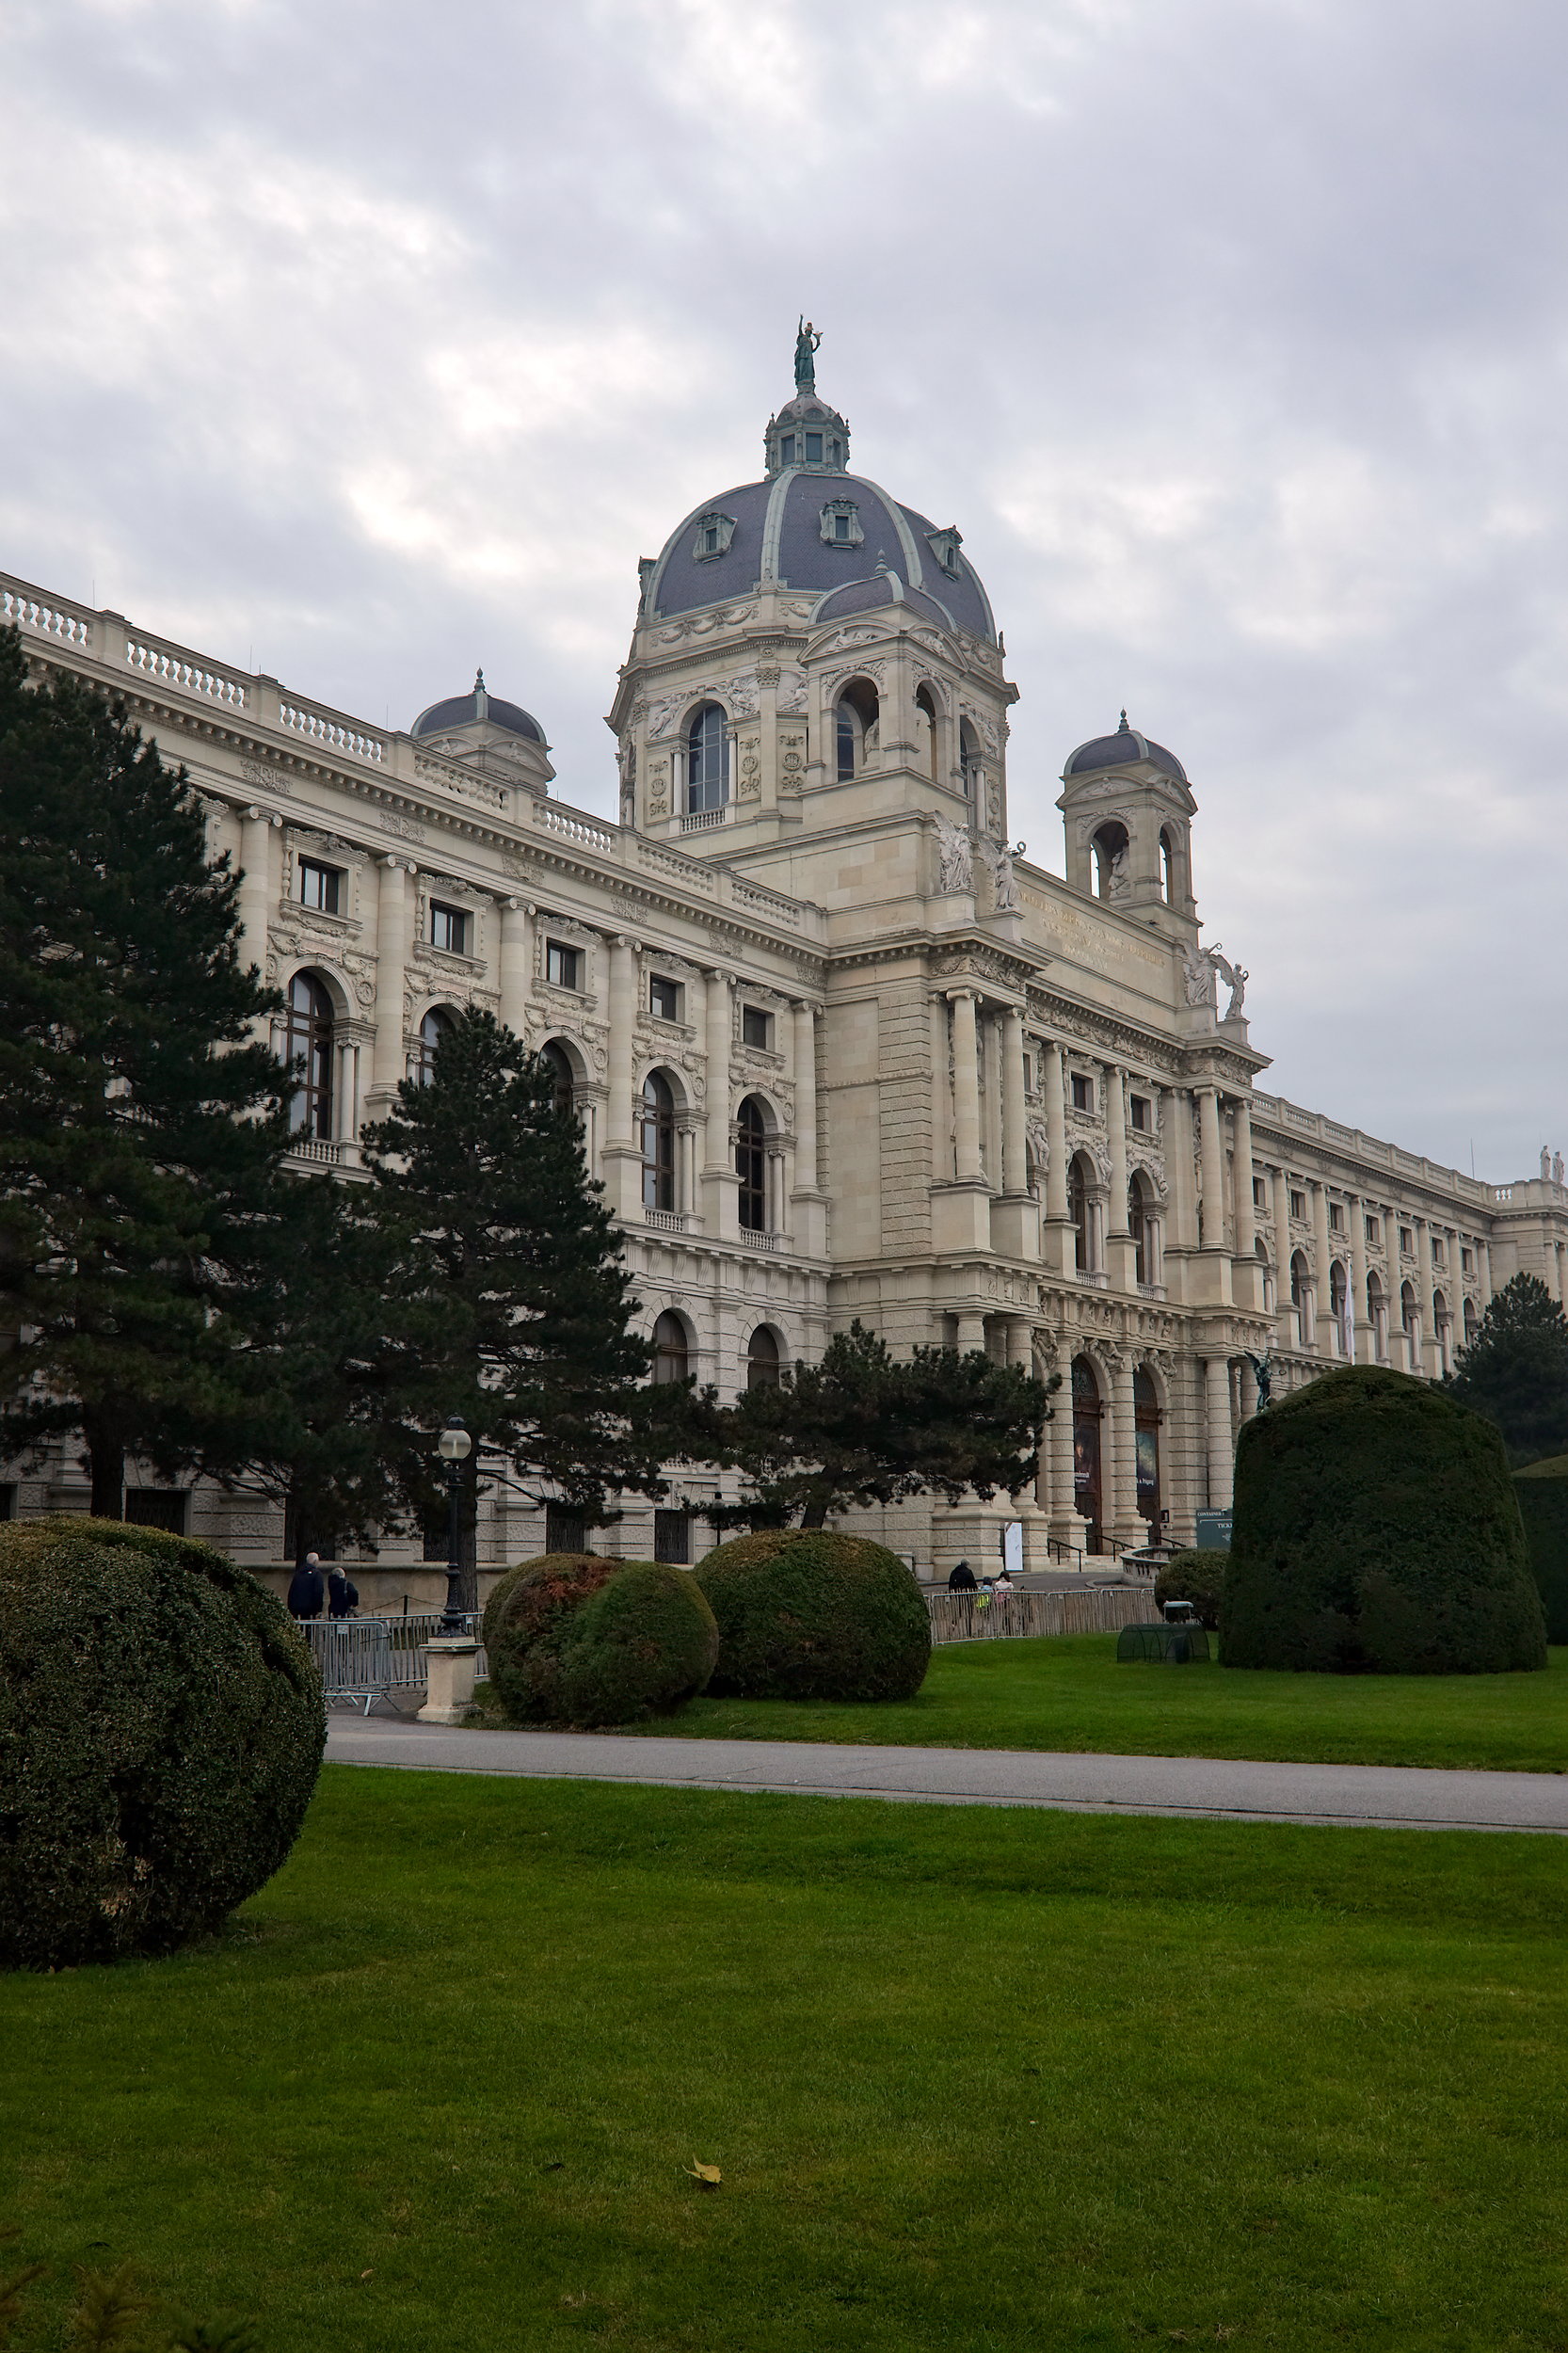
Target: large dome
814, 526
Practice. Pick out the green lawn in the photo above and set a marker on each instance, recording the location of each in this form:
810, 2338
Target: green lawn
974, 2079
1069, 1693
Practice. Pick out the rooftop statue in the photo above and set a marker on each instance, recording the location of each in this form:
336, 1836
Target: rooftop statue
807, 340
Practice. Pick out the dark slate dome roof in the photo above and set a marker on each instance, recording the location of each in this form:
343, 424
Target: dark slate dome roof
463, 710
1115, 751
777, 538
870, 596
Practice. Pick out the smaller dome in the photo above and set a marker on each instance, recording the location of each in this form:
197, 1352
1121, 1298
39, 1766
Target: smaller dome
869, 596
1119, 750
464, 710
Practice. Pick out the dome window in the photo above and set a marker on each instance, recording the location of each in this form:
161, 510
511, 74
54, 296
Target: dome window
944, 547
707, 760
840, 525
714, 534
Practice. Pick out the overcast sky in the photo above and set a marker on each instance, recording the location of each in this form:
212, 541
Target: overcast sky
366, 343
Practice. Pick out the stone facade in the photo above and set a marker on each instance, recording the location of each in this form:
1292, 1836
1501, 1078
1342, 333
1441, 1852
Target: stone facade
976, 1101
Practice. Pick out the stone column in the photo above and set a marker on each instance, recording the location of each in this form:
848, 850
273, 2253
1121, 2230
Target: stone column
1119, 1261
516, 972
942, 1169
1322, 1300
1122, 1518
720, 1200
1058, 1232
621, 1156
1483, 1260
1065, 1526
255, 890
1212, 1268
1364, 1333
1221, 1441
972, 1333
1428, 1361
1248, 1383
966, 1077
1279, 1188
809, 1202
1246, 1275
1014, 1167
391, 951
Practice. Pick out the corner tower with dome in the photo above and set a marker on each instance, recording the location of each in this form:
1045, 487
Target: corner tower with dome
836, 1047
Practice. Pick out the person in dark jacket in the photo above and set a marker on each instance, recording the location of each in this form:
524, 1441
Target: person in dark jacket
962, 1579
342, 1596
306, 1590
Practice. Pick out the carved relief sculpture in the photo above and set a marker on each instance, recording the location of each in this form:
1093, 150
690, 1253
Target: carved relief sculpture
955, 857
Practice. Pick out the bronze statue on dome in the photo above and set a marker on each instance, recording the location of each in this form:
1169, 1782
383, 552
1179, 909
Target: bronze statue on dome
807, 342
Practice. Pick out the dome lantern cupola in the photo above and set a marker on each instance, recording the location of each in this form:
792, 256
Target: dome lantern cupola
1128, 807
807, 432
479, 730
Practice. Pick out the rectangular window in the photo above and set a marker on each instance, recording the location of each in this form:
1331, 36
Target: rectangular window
1374, 1230
436, 1540
672, 1538
563, 965
325, 1548
565, 1531
787, 449
1139, 1105
663, 998
813, 449
1297, 1204
1259, 1193
1436, 1250
448, 928
1335, 1217
1407, 1241
1467, 1262
157, 1507
841, 527
319, 884
756, 1028
1083, 1093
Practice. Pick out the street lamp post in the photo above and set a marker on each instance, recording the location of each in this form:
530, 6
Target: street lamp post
455, 1446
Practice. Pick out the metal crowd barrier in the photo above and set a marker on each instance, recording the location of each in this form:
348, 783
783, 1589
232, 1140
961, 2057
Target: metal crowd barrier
988, 1618
365, 1659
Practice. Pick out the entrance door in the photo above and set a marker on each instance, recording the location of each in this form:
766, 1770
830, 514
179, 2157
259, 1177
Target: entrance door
1088, 1413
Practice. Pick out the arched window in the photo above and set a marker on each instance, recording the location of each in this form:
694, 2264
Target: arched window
671, 1352
1377, 1315
658, 1142
707, 759
1167, 866
1260, 1250
1472, 1321
974, 774
1301, 1298
558, 1062
751, 1164
1079, 1211
1407, 1307
1442, 1329
1088, 1411
855, 724
307, 1041
762, 1360
925, 706
1338, 1290
436, 1025
1110, 848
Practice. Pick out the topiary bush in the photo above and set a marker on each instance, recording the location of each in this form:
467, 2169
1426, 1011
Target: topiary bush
573, 1639
1543, 1493
807, 1614
1195, 1576
161, 1730
1375, 1530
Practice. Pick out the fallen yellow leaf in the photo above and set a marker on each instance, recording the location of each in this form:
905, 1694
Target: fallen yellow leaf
708, 2176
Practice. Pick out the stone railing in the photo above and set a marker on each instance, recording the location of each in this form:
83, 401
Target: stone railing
1292, 1118
330, 728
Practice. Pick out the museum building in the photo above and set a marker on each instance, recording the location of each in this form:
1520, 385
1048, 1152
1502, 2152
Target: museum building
838, 1050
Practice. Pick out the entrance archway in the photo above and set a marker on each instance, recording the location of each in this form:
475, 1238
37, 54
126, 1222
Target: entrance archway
1147, 1420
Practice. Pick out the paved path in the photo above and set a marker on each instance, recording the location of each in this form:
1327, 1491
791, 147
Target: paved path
1382, 1795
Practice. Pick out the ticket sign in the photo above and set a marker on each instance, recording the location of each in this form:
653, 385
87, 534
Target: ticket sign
1213, 1531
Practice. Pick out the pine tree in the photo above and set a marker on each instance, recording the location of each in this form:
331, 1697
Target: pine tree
511, 1300
1515, 1370
862, 1428
140, 1123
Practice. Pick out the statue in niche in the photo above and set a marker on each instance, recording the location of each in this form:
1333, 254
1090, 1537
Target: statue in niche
807, 343
955, 856
1235, 977
1117, 879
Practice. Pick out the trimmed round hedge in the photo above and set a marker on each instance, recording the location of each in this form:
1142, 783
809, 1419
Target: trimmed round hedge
1195, 1576
1543, 1493
161, 1730
1376, 1531
807, 1614
573, 1639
